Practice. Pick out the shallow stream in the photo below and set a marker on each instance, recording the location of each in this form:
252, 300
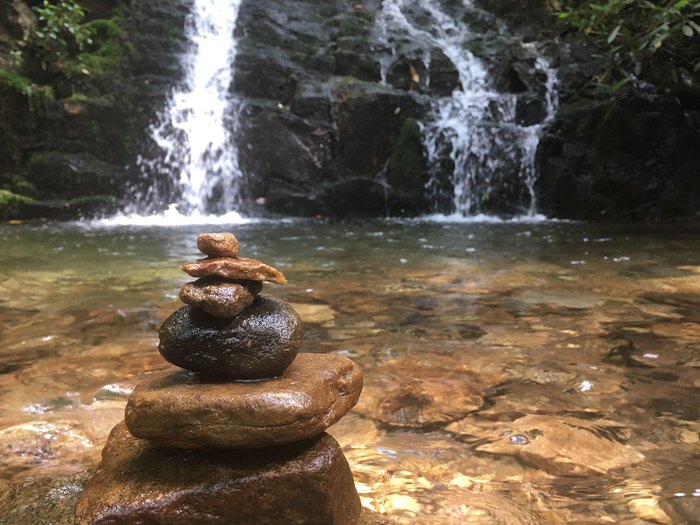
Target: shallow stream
514, 373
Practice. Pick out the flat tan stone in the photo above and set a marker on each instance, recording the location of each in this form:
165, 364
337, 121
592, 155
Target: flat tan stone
218, 244
235, 268
137, 482
560, 445
186, 410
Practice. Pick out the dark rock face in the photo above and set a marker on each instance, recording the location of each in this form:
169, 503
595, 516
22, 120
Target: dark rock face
185, 410
304, 483
66, 144
261, 342
635, 161
317, 127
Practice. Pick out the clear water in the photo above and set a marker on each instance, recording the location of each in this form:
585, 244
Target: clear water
514, 373
196, 159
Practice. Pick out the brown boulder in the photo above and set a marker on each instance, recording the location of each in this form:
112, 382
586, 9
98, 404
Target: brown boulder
304, 483
260, 342
235, 268
186, 410
218, 244
220, 298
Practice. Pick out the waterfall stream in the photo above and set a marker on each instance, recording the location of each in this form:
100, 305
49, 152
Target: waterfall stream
198, 165
475, 130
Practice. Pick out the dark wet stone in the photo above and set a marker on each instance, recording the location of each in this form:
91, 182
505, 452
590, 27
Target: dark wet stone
307, 483
218, 244
184, 410
235, 268
42, 500
220, 298
260, 342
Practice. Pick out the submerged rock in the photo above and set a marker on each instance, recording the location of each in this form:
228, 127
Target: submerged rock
41, 500
560, 445
185, 410
307, 483
218, 244
220, 298
411, 393
235, 268
260, 342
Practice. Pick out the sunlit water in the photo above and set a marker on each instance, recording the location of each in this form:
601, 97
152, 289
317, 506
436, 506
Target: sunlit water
514, 373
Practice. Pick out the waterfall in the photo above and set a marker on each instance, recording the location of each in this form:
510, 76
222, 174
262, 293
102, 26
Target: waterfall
197, 170
474, 130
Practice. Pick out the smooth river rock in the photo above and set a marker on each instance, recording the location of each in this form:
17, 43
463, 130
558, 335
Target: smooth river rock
235, 268
260, 342
186, 410
304, 483
225, 299
218, 244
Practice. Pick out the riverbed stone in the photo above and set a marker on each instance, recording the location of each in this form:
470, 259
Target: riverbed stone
260, 342
220, 298
186, 410
559, 445
304, 483
235, 268
218, 244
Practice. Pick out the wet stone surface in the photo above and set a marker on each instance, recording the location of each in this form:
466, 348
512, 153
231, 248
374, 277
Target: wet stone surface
220, 298
305, 483
218, 244
184, 409
260, 342
235, 268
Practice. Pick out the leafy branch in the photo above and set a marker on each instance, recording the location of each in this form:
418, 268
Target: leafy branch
656, 41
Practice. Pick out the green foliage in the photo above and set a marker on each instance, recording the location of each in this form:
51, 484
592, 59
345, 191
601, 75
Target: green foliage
37, 96
61, 32
658, 41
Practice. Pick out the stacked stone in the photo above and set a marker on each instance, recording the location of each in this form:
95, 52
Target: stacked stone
237, 437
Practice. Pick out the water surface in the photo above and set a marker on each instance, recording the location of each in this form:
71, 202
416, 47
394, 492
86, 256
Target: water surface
514, 373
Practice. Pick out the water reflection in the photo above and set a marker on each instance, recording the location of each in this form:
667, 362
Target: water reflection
504, 384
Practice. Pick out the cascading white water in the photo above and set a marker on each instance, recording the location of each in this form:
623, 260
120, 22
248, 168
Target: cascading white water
475, 127
194, 131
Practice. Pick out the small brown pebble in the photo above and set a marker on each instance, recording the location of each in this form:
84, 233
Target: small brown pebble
235, 268
220, 298
218, 244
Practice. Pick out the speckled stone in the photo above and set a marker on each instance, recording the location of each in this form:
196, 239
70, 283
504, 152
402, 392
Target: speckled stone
185, 410
235, 268
137, 482
225, 299
260, 342
218, 244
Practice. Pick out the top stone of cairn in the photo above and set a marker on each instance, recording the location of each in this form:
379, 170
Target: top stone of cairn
218, 244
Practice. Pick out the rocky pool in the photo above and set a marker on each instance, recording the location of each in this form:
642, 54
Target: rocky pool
514, 372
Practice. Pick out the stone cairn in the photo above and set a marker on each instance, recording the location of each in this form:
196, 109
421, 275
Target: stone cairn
237, 437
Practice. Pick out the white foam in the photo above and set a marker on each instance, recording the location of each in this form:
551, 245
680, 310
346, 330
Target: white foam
458, 218
172, 217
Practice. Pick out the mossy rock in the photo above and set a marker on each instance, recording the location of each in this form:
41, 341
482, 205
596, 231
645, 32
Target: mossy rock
15, 206
406, 172
70, 175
